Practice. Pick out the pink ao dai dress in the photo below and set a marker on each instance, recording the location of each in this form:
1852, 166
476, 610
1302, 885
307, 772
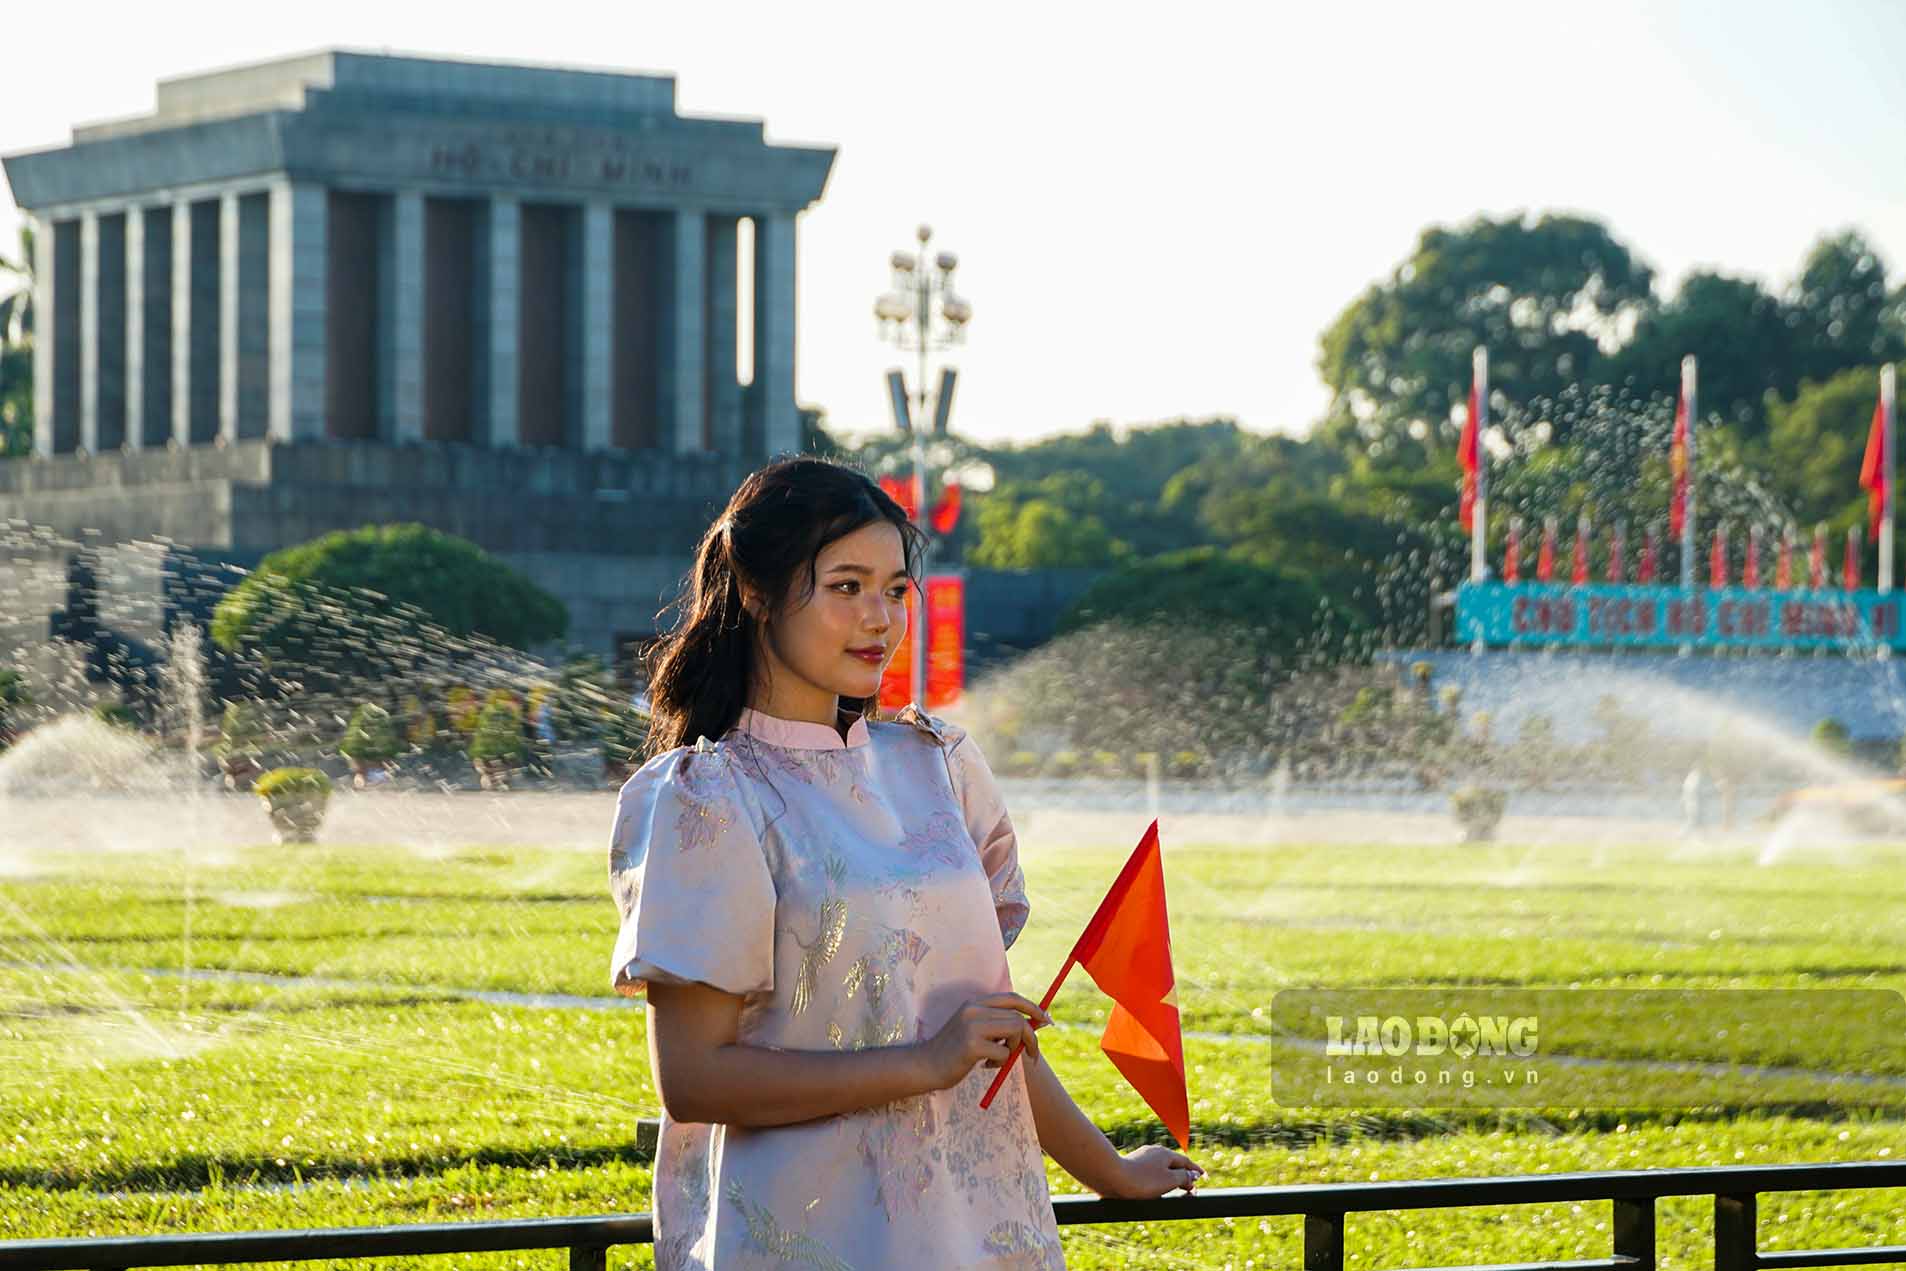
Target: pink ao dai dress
852, 893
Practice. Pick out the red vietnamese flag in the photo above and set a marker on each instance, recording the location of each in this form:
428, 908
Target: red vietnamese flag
1645, 573
1512, 552
1678, 468
1545, 555
1578, 558
1750, 572
1469, 453
1617, 555
1717, 558
900, 490
1127, 950
1850, 567
946, 513
1817, 558
1783, 568
1873, 473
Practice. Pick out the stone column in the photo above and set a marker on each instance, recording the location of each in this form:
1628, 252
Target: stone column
135, 328
723, 397
89, 331
688, 322
300, 214
182, 323
43, 255
598, 321
228, 354
498, 270
400, 371
774, 332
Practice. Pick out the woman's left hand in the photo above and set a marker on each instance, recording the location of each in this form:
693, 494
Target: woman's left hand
1153, 1170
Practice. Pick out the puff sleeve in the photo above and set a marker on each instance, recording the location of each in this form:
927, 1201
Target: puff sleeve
992, 829
690, 879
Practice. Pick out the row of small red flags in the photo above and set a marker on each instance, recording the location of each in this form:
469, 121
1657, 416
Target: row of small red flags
1615, 569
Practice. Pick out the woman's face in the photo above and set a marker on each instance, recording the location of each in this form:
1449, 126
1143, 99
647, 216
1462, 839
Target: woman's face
837, 642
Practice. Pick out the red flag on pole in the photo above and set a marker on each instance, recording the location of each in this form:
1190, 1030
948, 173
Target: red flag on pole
1783, 568
1545, 555
1750, 572
1646, 572
1578, 559
1817, 558
1617, 554
1717, 558
1678, 468
946, 513
1468, 452
1126, 948
900, 490
1850, 566
1512, 553
1873, 474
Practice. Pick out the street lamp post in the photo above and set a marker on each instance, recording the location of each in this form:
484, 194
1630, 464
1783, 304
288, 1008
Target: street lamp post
922, 313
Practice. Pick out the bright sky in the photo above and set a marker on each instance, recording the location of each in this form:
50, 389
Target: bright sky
1156, 208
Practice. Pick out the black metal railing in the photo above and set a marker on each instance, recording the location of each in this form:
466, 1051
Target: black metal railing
1324, 1208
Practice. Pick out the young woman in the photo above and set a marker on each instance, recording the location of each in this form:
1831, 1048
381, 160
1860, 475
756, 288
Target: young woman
819, 905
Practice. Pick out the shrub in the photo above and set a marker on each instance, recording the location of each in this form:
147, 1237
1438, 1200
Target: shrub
13, 695
1186, 764
1062, 763
115, 713
241, 731
394, 583
1020, 763
1108, 763
1478, 811
371, 737
293, 783
499, 732
1831, 736
623, 737
296, 799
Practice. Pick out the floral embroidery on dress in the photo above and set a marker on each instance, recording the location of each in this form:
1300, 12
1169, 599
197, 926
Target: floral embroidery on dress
942, 838
778, 1242
1026, 1246
894, 1141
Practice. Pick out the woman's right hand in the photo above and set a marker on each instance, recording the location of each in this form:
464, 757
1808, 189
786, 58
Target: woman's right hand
984, 1030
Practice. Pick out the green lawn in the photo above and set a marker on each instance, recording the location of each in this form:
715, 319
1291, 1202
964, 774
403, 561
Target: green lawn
134, 1100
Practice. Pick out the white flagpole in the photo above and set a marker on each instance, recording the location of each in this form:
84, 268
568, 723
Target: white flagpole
1479, 526
1688, 385
1886, 511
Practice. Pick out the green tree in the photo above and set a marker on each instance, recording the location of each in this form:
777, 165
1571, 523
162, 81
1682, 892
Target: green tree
1548, 296
366, 598
1840, 305
1046, 524
1814, 444
16, 350
1201, 585
1744, 336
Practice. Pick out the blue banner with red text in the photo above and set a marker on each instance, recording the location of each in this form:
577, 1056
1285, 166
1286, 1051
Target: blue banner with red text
1715, 617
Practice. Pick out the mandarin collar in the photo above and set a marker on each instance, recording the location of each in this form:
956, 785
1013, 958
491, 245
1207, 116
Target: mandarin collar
800, 734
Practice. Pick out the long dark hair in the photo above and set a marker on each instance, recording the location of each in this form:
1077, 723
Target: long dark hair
768, 539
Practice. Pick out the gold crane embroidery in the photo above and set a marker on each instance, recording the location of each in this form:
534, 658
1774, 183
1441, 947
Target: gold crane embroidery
778, 1242
819, 951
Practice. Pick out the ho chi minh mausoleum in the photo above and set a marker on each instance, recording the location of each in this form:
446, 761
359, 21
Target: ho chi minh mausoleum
503, 300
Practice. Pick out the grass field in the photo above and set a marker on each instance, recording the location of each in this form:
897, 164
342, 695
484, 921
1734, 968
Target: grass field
356, 1077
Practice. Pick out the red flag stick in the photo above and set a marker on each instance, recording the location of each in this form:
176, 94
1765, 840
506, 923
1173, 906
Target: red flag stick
1083, 949
1045, 1004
